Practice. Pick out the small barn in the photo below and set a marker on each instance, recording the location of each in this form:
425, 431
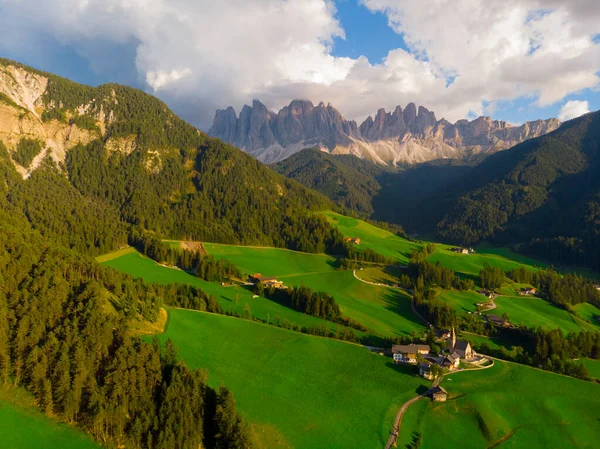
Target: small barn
438, 394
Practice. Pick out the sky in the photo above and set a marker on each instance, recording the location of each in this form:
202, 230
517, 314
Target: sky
514, 60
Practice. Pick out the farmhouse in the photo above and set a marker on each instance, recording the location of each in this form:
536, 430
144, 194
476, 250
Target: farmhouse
597, 286
408, 353
438, 394
255, 278
528, 291
354, 240
496, 320
272, 282
425, 371
485, 292
460, 250
451, 361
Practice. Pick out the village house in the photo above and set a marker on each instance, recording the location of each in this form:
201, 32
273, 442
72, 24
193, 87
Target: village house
528, 291
597, 286
272, 282
425, 371
438, 394
451, 361
496, 320
487, 293
354, 240
408, 353
460, 250
255, 278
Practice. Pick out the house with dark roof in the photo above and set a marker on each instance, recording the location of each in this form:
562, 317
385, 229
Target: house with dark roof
438, 394
451, 361
425, 371
496, 320
408, 353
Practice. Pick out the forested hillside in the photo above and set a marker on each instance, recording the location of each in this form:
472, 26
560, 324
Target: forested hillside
127, 161
373, 191
544, 192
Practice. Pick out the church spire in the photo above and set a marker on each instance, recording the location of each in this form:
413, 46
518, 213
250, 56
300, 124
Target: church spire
453, 339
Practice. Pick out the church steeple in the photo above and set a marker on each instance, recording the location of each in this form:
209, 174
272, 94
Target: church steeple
453, 339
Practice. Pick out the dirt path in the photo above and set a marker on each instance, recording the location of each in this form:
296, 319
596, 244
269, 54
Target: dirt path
398, 421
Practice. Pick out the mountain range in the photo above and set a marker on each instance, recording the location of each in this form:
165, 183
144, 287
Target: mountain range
409, 135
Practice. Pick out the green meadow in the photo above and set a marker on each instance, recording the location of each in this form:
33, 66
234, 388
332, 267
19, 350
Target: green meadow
384, 310
26, 428
312, 392
471, 264
507, 406
377, 239
462, 302
593, 367
272, 261
534, 312
589, 313
139, 266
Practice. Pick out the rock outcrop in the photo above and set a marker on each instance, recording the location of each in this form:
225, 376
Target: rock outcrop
411, 135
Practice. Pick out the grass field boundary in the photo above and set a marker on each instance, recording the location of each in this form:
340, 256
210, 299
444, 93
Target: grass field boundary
268, 325
115, 254
253, 246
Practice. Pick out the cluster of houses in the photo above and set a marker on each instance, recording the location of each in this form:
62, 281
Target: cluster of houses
463, 250
450, 360
266, 281
527, 291
459, 349
353, 240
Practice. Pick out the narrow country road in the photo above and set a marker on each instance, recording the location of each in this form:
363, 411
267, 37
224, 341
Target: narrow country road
398, 421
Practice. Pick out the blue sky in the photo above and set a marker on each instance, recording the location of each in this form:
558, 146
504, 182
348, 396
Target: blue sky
460, 59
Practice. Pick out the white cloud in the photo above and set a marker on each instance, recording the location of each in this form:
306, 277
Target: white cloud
206, 54
572, 109
160, 79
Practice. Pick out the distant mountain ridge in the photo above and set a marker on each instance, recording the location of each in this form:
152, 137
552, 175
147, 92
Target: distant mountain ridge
411, 135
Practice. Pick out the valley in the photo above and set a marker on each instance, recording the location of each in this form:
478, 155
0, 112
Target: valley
162, 289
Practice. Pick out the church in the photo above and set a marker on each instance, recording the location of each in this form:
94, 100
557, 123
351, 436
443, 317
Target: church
461, 347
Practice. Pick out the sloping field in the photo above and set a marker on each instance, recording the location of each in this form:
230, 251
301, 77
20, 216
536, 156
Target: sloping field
377, 239
471, 264
25, 428
384, 310
317, 393
593, 367
535, 312
462, 302
141, 267
508, 406
271, 261
589, 313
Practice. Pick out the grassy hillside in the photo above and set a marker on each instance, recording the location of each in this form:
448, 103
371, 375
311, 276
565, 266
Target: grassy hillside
385, 311
535, 312
25, 428
593, 367
314, 392
372, 237
141, 267
526, 407
272, 261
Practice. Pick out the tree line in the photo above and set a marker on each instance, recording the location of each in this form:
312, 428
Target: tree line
81, 363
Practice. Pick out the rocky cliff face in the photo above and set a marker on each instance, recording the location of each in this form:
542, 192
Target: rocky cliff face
410, 135
21, 109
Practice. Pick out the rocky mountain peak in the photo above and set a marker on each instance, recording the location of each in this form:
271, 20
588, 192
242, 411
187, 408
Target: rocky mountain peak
412, 134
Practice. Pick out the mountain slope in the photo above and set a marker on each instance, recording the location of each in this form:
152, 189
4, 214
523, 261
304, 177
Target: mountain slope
372, 190
544, 188
112, 157
408, 135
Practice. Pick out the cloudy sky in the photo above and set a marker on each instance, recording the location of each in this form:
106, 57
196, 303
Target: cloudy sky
515, 60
